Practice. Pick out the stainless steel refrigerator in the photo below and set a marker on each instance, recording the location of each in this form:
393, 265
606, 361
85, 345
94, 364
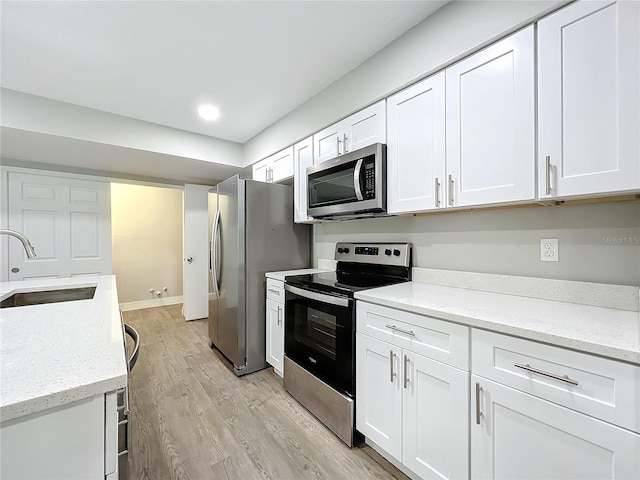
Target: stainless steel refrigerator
252, 232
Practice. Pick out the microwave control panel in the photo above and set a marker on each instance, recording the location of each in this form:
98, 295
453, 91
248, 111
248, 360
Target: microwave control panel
369, 178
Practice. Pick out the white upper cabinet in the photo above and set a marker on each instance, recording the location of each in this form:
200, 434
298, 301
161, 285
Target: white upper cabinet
490, 124
261, 170
302, 158
416, 147
363, 128
589, 99
275, 168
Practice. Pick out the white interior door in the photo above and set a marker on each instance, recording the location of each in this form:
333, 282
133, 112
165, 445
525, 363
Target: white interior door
67, 220
196, 252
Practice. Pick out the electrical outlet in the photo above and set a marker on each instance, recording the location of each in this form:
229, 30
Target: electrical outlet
549, 250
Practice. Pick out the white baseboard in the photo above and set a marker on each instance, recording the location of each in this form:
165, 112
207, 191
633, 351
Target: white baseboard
154, 302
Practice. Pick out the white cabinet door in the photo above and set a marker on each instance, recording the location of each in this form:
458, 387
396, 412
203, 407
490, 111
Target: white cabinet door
416, 147
302, 159
589, 99
364, 128
261, 171
282, 165
327, 143
275, 335
524, 437
65, 442
490, 124
435, 418
378, 385
67, 220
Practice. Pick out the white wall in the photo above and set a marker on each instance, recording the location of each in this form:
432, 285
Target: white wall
29, 113
452, 32
146, 227
597, 242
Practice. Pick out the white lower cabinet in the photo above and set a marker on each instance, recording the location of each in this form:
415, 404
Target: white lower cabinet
74, 441
412, 407
517, 435
275, 325
538, 412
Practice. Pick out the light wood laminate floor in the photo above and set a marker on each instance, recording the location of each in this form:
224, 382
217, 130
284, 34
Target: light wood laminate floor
192, 418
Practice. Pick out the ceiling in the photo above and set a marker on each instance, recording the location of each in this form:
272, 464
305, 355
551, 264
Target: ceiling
158, 60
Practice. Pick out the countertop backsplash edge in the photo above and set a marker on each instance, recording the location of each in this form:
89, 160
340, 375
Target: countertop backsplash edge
621, 297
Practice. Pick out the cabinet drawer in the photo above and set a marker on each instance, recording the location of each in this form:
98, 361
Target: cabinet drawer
443, 341
602, 388
275, 290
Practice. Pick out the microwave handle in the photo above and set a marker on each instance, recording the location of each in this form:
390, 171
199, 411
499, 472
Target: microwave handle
356, 180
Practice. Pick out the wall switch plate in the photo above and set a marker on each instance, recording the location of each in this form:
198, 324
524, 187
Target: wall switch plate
549, 250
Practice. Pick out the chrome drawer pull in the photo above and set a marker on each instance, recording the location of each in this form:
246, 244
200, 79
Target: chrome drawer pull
529, 368
391, 372
406, 371
407, 332
273, 290
548, 180
478, 412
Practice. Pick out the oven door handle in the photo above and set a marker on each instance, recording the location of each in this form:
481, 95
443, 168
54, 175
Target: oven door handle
320, 297
356, 180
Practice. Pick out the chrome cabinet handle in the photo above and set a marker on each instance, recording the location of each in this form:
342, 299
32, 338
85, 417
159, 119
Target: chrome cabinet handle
279, 317
273, 290
478, 412
344, 143
391, 372
338, 145
451, 190
401, 330
406, 371
548, 168
563, 378
437, 192
189, 259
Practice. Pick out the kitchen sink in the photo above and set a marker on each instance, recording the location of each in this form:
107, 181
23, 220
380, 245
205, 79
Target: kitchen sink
21, 299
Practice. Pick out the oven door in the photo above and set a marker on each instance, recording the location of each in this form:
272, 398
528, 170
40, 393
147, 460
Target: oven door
319, 335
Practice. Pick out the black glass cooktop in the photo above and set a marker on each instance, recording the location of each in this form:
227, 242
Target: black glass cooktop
344, 283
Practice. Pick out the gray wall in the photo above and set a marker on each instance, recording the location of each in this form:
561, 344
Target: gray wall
591, 240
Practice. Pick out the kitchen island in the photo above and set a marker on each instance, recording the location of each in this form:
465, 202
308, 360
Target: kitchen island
61, 365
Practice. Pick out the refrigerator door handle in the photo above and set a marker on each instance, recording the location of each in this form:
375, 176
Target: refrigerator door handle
214, 250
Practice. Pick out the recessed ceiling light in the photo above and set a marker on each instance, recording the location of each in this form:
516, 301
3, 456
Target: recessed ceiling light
208, 112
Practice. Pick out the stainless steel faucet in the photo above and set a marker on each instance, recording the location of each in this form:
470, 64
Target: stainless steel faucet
31, 252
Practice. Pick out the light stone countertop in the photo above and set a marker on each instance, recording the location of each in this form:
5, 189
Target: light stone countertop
57, 353
597, 330
285, 273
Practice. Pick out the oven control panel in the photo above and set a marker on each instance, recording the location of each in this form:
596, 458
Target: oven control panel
377, 253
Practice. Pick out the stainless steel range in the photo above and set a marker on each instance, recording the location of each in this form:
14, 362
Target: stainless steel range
319, 363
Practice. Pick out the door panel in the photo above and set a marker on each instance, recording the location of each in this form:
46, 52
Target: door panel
490, 124
379, 405
364, 128
195, 246
435, 419
231, 299
68, 221
302, 158
326, 144
589, 72
524, 437
416, 147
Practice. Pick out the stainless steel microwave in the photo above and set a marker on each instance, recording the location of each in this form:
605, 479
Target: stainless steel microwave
349, 186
